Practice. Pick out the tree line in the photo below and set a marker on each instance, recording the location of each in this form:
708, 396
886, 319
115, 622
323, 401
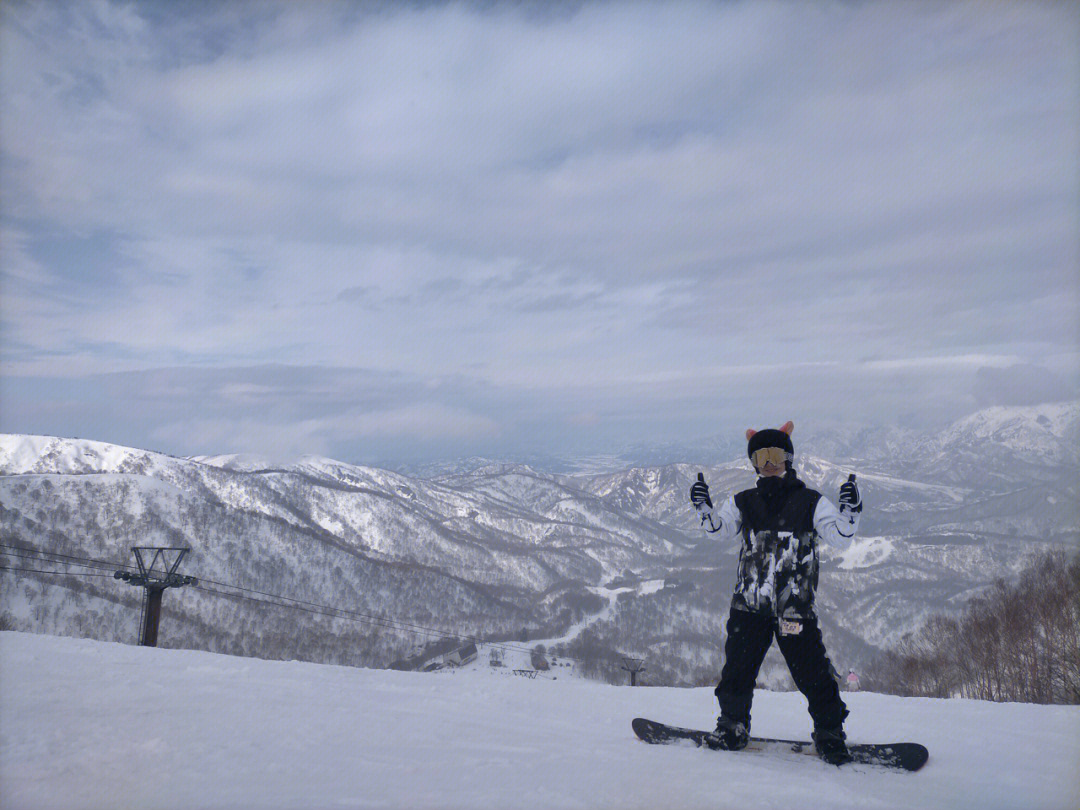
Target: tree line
1015, 642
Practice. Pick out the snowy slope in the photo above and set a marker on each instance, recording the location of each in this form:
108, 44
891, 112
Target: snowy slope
23, 454
99, 725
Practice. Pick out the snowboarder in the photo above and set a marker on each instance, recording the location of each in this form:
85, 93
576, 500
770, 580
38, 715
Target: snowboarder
852, 681
780, 522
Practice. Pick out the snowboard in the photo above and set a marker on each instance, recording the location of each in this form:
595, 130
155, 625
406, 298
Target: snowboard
905, 756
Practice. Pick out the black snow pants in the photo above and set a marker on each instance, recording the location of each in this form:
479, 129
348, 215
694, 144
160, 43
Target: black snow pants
749, 637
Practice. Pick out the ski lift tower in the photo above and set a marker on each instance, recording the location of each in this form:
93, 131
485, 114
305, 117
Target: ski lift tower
157, 571
633, 666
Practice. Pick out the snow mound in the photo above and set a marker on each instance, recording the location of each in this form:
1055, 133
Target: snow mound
866, 551
652, 586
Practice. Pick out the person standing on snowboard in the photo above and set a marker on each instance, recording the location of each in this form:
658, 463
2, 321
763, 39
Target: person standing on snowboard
779, 522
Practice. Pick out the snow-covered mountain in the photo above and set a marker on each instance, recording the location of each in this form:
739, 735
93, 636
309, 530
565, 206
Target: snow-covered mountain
1050, 432
503, 550
1047, 433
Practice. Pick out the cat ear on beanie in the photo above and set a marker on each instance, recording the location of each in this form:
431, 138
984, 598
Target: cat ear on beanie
750, 433
787, 428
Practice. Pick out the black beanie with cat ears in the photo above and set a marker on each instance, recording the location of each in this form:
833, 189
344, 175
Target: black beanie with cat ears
770, 437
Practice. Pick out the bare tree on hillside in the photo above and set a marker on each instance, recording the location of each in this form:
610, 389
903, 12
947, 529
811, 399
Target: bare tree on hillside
1013, 643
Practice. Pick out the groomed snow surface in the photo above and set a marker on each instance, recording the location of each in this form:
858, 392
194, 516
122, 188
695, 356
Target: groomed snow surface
93, 724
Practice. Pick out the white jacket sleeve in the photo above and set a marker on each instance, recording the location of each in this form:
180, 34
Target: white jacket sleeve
726, 523
834, 526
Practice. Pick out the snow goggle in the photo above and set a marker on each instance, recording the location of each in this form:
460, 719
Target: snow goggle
776, 455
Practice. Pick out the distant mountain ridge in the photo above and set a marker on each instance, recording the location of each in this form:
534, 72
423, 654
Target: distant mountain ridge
503, 550
1053, 427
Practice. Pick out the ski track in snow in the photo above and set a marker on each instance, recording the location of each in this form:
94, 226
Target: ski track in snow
604, 591
89, 724
611, 595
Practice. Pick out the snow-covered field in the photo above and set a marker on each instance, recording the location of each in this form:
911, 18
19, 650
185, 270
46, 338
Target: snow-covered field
93, 724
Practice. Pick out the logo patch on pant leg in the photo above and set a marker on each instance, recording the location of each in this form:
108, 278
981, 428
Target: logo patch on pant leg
790, 628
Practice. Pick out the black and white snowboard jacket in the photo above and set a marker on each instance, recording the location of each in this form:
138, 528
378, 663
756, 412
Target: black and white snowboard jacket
780, 521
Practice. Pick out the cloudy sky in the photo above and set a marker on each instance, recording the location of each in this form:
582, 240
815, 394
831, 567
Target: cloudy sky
420, 231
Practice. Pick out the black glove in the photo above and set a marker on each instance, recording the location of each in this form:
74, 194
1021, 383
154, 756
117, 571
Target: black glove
699, 493
849, 495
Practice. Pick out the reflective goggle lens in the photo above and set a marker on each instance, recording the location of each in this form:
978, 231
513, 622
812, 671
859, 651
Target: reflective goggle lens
766, 454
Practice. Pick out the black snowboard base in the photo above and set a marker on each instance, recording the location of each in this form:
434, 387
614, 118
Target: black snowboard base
905, 756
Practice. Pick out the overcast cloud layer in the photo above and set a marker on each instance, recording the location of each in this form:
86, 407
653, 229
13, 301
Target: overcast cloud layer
376, 232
